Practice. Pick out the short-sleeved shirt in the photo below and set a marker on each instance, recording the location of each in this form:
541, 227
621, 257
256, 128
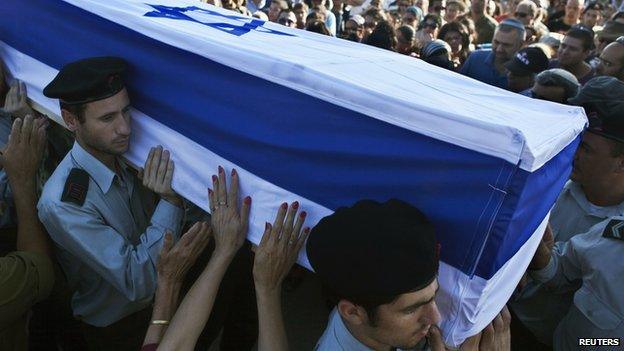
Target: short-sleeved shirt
480, 66
25, 279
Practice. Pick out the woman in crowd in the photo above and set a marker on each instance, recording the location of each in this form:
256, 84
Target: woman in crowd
458, 38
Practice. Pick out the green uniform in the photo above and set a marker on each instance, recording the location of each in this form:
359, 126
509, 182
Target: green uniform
25, 279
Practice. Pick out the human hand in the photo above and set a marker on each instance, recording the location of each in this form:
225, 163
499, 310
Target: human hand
495, 337
16, 103
158, 174
229, 224
279, 247
175, 260
542, 255
24, 150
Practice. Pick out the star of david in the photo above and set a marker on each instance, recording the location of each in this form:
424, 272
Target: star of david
246, 24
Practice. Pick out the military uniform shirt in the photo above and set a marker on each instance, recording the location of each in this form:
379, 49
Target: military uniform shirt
338, 338
108, 246
539, 309
25, 279
598, 310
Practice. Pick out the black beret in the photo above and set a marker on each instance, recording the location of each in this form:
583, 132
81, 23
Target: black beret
373, 249
87, 80
603, 101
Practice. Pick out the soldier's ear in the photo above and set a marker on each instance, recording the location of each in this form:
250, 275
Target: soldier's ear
351, 313
70, 119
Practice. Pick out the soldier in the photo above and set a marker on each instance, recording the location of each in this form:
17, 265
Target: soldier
94, 208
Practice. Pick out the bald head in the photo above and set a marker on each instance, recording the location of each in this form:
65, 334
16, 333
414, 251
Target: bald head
611, 61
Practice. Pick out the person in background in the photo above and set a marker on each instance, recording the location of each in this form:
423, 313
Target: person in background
276, 7
405, 40
287, 18
413, 16
556, 85
573, 51
485, 25
454, 9
26, 275
383, 36
488, 65
571, 17
523, 68
317, 26
301, 11
458, 38
611, 60
354, 29
592, 14
437, 53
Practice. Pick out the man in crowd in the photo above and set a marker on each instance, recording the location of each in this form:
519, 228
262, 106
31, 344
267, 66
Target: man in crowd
592, 14
98, 214
526, 11
595, 193
611, 60
556, 85
571, 17
611, 31
488, 65
26, 275
593, 258
523, 68
573, 51
484, 23
354, 28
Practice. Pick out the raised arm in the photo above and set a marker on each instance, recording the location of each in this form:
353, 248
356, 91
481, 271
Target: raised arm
276, 254
229, 227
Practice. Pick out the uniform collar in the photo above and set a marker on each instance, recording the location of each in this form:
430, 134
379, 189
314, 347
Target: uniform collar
343, 336
101, 174
598, 211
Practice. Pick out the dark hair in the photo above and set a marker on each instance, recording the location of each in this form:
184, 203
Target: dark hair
383, 36
76, 110
317, 26
407, 32
584, 34
465, 35
370, 304
430, 17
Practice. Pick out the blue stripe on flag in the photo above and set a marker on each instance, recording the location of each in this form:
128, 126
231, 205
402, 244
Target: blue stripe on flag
326, 153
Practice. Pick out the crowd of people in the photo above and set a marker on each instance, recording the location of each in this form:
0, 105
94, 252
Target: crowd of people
97, 255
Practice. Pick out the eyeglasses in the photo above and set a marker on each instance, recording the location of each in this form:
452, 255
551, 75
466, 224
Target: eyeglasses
521, 14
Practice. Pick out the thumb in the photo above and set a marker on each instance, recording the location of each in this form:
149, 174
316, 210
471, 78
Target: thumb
435, 339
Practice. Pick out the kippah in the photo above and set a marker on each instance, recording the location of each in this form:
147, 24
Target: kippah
87, 80
374, 249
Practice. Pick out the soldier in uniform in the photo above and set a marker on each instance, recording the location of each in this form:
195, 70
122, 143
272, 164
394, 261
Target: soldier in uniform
107, 238
594, 193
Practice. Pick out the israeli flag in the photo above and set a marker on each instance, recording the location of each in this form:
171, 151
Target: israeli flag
323, 121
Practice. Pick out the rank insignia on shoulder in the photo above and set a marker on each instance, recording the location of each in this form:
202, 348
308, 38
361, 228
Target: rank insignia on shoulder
614, 230
76, 187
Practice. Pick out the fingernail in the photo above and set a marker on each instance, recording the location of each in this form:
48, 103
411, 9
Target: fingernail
295, 205
284, 205
303, 214
214, 178
307, 230
233, 172
210, 191
248, 200
221, 169
267, 225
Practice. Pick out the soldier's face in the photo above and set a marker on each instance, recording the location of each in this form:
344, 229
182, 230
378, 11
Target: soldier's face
106, 125
594, 162
404, 322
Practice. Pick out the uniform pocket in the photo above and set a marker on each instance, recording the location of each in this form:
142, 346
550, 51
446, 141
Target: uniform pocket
600, 314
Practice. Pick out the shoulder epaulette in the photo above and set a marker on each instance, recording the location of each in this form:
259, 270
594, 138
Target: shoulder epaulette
614, 230
76, 187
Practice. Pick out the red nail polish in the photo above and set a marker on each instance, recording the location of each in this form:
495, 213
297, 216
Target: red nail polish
248, 200
295, 205
303, 214
284, 205
214, 178
221, 169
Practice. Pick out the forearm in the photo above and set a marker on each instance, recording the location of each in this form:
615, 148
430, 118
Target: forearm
165, 304
193, 313
30, 233
272, 334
